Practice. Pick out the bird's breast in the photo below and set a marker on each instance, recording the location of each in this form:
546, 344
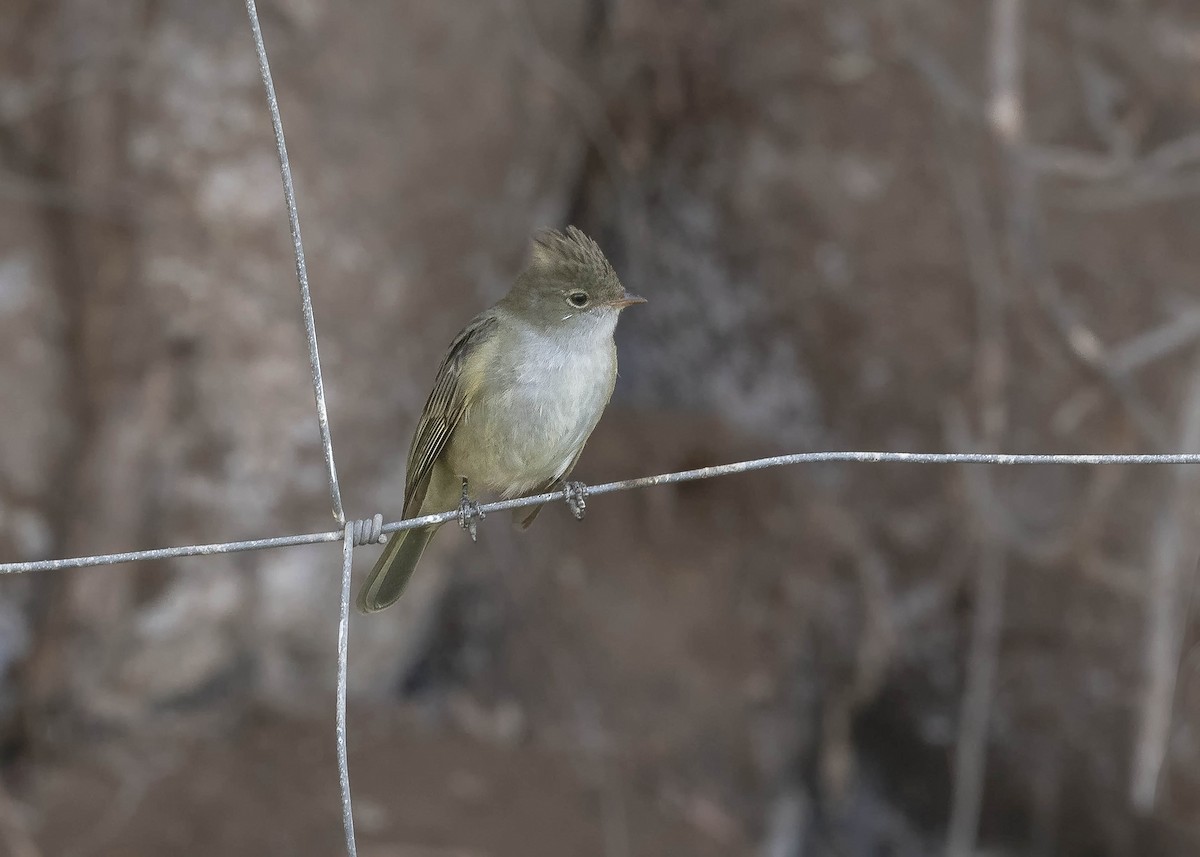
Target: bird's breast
539, 403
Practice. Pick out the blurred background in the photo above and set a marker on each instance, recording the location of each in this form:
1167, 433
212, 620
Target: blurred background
861, 224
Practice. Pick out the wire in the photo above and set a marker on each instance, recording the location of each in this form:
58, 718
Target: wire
343, 668
310, 325
978, 458
314, 362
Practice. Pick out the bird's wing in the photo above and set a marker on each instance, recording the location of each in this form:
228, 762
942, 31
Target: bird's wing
446, 404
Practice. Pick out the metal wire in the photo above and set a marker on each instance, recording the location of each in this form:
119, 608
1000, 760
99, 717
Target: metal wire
343, 667
353, 530
170, 553
624, 485
310, 326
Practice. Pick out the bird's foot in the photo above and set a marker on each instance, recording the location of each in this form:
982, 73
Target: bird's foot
575, 493
469, 513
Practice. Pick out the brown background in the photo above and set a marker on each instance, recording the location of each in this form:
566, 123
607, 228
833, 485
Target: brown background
843, 247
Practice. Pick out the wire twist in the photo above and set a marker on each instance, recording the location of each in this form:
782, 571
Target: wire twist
366, 532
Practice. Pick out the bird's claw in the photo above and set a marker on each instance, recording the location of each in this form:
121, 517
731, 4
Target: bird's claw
575, 493
469, 513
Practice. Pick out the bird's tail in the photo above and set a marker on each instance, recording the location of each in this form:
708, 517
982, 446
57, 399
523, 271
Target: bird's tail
393, 569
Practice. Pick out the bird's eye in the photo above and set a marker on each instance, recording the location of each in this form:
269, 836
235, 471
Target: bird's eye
578, 299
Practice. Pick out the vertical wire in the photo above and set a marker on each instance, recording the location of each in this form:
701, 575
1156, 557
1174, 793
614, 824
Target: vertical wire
343, 650
314, 362
310, 327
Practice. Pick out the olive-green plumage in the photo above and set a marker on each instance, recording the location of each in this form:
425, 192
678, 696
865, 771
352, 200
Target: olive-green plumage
515, 399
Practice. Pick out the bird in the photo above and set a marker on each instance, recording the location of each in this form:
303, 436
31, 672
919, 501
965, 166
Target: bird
515, 399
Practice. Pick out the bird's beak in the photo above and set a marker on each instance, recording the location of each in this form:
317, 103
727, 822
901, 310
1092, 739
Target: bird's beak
628, 299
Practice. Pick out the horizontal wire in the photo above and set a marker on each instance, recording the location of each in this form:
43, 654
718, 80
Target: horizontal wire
624, 485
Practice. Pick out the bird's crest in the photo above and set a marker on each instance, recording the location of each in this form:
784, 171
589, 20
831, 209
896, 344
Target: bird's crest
554, 250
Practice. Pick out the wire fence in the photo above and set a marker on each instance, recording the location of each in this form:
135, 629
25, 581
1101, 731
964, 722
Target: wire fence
354, 533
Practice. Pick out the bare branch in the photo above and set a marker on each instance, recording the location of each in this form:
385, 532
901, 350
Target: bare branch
1006, 111
1181, 332
1006, 116
1171, 557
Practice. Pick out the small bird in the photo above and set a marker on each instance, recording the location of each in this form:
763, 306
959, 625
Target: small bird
515, 399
